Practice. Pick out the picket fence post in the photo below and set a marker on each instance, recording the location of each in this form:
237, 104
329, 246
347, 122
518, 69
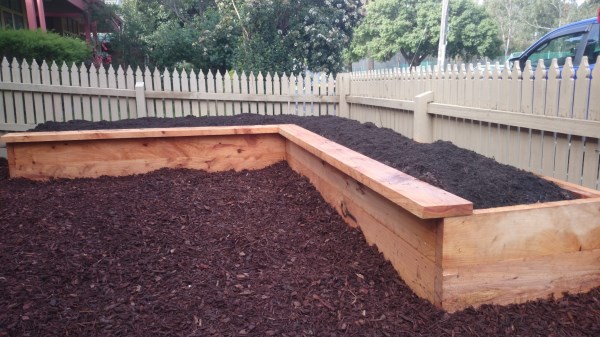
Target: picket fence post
422, 121
140, 100
343, 89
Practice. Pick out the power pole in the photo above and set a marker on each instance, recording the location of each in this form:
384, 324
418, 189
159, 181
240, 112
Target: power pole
443, 36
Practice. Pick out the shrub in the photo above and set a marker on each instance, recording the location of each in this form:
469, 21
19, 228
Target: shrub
38, 45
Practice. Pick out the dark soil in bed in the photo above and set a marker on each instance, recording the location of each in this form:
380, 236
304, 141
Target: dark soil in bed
467, 174
188, 253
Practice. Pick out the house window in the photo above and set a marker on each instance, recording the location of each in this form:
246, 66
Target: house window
11, 14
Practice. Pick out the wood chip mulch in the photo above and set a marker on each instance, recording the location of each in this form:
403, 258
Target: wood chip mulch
188, 253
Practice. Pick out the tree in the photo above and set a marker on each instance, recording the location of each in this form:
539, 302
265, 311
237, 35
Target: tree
176, 33
506, 15
287, 36
472, 32
412, 27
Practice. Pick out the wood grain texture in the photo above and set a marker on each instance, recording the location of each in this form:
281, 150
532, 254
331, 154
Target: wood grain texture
520, 280
28, 137
408, 242
504, 233
417, 197
118, 157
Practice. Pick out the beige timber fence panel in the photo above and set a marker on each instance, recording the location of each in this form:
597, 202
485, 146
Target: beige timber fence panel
380, 97
544, 120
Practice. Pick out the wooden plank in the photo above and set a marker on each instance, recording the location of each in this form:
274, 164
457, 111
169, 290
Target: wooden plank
131, 80
95, 101
277, 92
227, 87
29, 109
582, 90
236, 108
122, 102
260, 90
520, 280
104, 100
202, 89
48, 109
561, 156
516, 80
415, 196
195, 105
285, 90
36, 137
75, 82
504, 233
168, 91
94, 158
538, 122
269, 91
177, 104
244, 97
219, 89
405, 240
67, 99
18, 96
86, 101
7, 96
535, 155
185, 87
149, 85
548, 153
576, 152
382, 102
253, 92
56, 99
114, 104
527, 93
591, 163
553, 89
211, 88
567, 88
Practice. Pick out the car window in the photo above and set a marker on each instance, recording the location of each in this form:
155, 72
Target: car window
559, 48
592, 47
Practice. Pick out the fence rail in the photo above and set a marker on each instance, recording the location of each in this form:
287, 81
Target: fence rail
545, 120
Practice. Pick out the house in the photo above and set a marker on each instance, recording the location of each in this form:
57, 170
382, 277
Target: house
66, 17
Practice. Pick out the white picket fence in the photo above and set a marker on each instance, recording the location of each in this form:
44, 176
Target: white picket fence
545, 124
33, 94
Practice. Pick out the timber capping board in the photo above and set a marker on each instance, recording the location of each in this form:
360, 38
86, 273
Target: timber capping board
448, 253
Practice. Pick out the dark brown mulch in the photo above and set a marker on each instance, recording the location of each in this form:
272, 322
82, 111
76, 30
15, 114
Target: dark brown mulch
465, 173
188, 253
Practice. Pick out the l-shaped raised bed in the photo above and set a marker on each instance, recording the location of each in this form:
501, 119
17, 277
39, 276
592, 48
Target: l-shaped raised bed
446, 252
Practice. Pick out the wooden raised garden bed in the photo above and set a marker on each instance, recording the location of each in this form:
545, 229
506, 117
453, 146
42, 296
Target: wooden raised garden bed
446, 252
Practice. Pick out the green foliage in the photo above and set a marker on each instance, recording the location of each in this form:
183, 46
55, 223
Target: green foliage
288, 36
259, 35
413, 28
175, 33
27, 44
472, 32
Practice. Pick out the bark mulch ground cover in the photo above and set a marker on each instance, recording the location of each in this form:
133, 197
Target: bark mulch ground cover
251, 253
188, 253
467, 174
